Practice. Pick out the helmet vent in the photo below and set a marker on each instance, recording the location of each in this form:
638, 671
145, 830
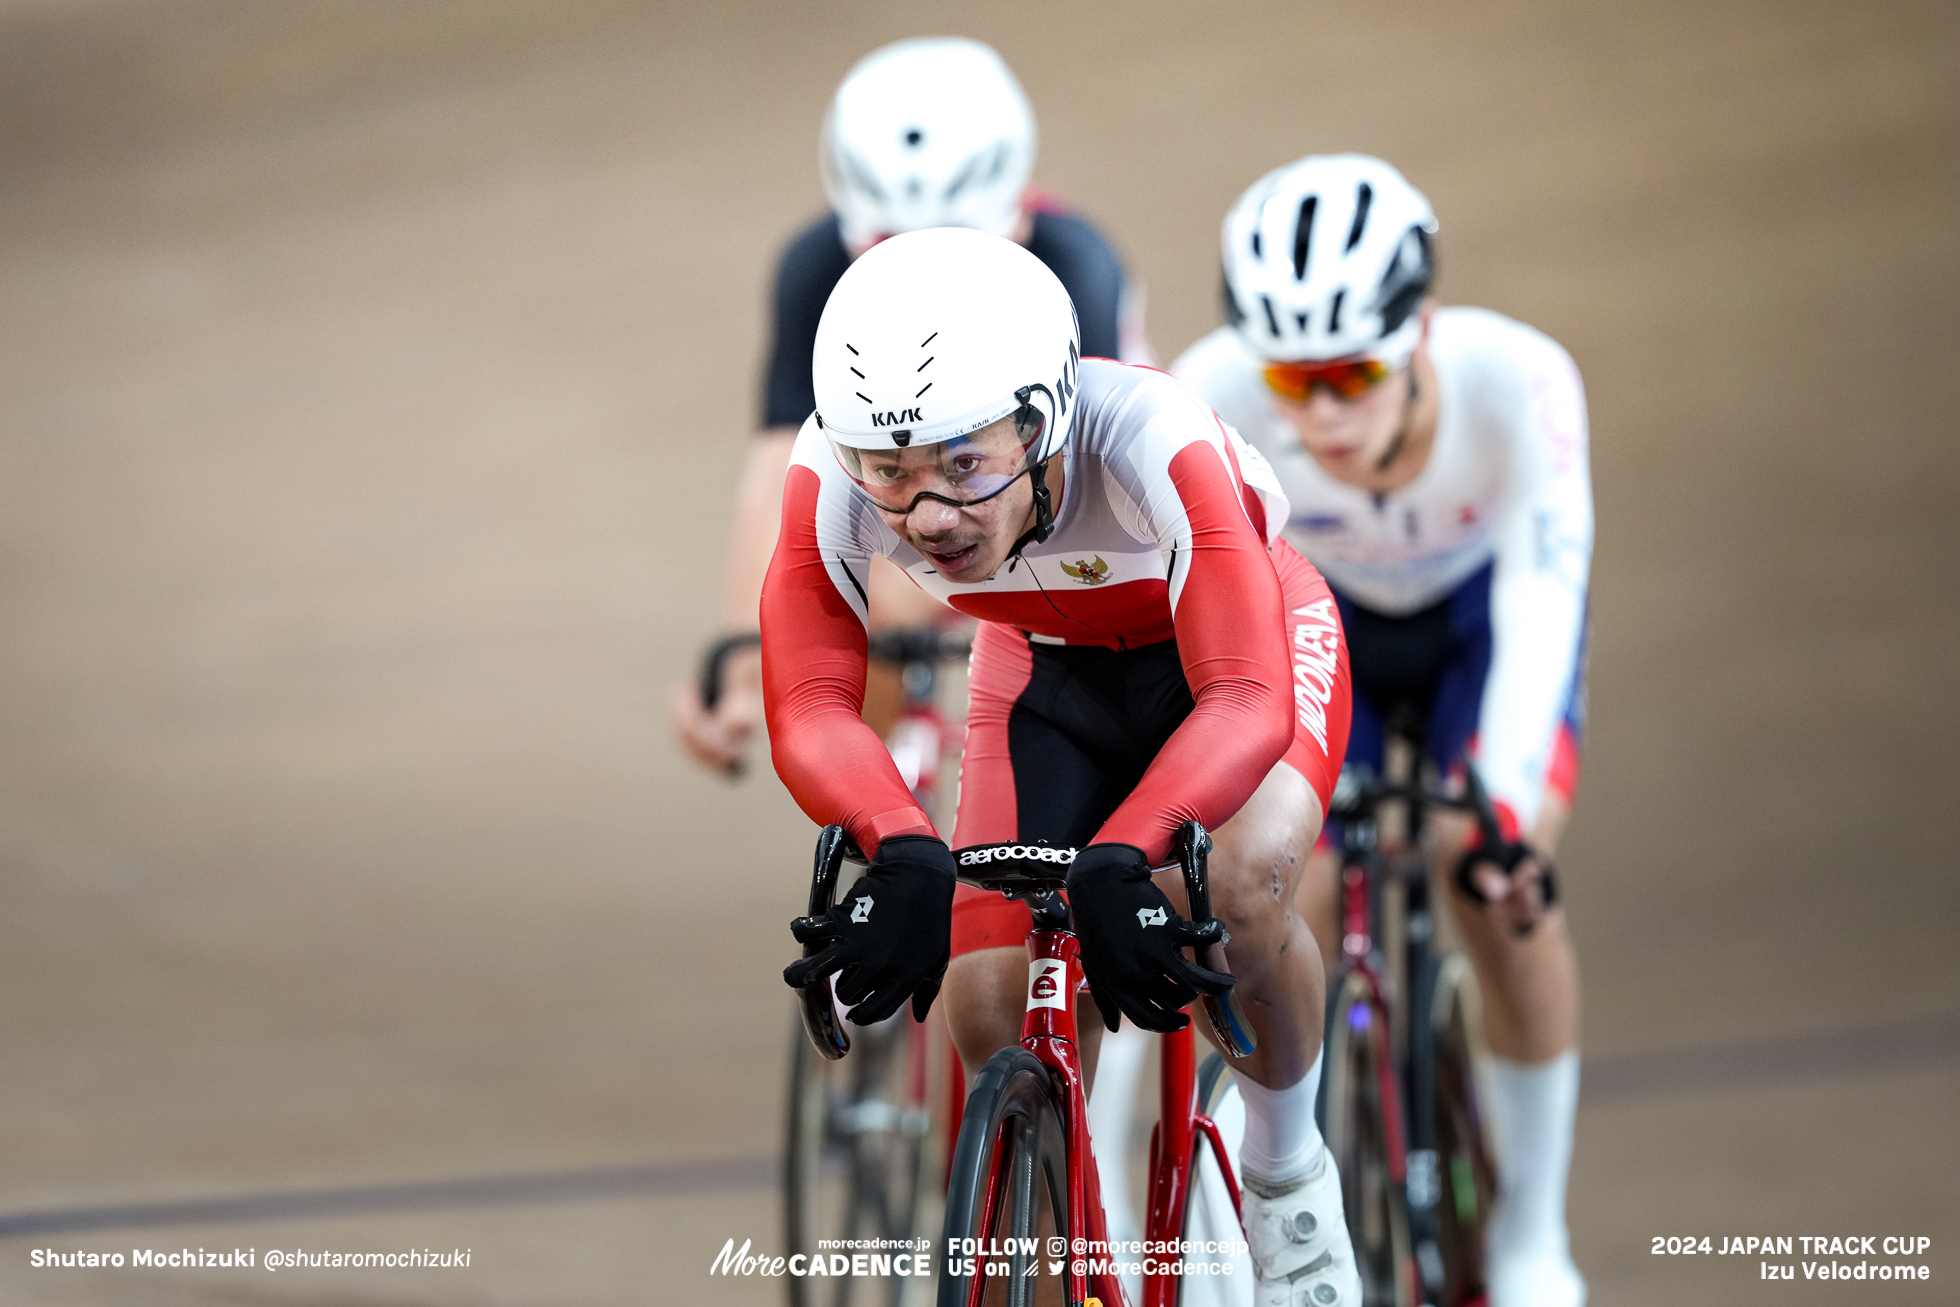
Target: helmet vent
1363, 199
923, 389
861, 395
961, 178
958, 183
1272, 319
857, 374
1258, 246
851, 347
1406, 281
860, 176
1334, 313
914, 137
922, 344
998, 162
1303, 238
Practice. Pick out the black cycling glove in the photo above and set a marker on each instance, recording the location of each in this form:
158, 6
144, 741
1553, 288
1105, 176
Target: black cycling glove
1505, 856
890, 936
1131, 941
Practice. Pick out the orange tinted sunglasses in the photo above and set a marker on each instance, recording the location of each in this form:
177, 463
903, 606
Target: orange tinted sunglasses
1346, 378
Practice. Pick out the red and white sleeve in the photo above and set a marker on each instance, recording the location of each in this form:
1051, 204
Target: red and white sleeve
813, 667
1225, 601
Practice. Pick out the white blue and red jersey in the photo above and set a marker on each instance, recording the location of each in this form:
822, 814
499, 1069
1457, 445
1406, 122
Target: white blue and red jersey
1465, 588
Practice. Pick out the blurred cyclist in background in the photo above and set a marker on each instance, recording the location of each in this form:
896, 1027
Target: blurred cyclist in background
932, 132
1435, 461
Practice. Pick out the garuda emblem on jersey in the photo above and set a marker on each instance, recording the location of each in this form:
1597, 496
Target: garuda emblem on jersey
1086, 572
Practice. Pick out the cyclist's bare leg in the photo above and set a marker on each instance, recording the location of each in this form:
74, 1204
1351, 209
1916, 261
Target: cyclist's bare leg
986, 996
1256, 864
1318, 901
1292, 1188
1530, 987
1529, 983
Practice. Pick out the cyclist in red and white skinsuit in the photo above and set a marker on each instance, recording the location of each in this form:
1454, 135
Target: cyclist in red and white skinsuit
1149, 653
1435, 463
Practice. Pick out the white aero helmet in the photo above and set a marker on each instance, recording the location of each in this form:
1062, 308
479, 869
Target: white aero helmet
1329, 257
930, 337
930, 132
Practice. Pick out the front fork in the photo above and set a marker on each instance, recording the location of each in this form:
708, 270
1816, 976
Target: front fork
1049, 1032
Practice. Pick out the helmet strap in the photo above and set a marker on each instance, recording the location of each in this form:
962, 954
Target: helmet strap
1044, 514
1394, 450
1044, 503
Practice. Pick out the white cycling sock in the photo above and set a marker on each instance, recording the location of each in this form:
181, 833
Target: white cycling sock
1111, 1109
1532, 1108
1281, 1137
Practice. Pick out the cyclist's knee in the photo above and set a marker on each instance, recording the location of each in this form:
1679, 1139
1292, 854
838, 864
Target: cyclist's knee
984, 997
1318, 901
1259, 855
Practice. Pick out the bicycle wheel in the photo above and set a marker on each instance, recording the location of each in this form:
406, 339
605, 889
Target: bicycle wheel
1009, 1185
854, 1154
1356, 1076
1465, 1174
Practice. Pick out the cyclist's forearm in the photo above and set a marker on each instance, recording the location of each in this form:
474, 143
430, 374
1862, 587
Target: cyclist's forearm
1537, 620
757, 515
832, 763
838, 770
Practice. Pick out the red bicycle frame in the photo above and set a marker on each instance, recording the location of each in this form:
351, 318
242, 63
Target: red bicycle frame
1357, 945
1174, 1154
1049, 1031
1357, 942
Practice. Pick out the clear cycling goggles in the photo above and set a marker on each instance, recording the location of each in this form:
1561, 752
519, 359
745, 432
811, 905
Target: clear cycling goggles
963, 471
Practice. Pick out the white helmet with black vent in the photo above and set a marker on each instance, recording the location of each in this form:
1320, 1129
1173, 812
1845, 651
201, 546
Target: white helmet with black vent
930, 132
927, 340
1329, 257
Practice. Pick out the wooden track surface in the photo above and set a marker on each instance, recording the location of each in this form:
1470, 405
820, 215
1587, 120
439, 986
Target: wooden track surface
372, 381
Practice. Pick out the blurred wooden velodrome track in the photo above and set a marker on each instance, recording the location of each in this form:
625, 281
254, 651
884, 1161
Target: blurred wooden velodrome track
372, 380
